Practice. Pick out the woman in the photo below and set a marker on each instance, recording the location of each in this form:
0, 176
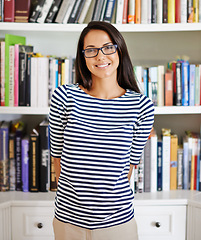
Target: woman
98, 128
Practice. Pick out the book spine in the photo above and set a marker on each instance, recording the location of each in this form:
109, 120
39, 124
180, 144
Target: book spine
199, 10
34, 81
2, 80
173, 162
22, 10
131, 11
153, 171
119, 11
171, 11
18, 161
141, 174
198, 164
9, 10
183, 11
1, 11
16, 76
11, 75
28, 80
22, 78
147, 166
135, 179
159, 167
34, 164
185, 83
138, 11
4, 164
44, 11
125, 12
180, 168
77, 11
84, 11
36, 11
25, 165
160, 95
45, 159
12, 171
197, 85
149, 5
168, 88
185, 166
165, 11
159, 14
109, 10
97, 10
154, 11
178, 84
166, 163
144, 12
195, 11
192, 85
177, 11
62, 11
190, 13
68, 12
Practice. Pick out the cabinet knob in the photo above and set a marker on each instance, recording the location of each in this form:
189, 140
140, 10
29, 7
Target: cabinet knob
157, 224
39, 225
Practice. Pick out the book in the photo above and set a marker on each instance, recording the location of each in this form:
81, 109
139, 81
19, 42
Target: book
147, 166
22, 10
109, 10
178, 84
173, 161
159, 165
11, 75
84, 11
44, 157
153, 160
166, 138
34, 155
140, 174
76, 11
53, 11
4, 155
24, 88
192, 85
2, 72
138, 11
10, 40
183, 11
190, 12
12, 168
65, 5
36, 10
68, 11
160, 92
153, 11
185, 164
171, 11
165, 11
131, 11
44, 11
34, 81
169, 87
177, 11
1, 10
159, 11
119, 11
180, 168
9, 10
20, 131
185, 82
97, 10
125, 12
25, 164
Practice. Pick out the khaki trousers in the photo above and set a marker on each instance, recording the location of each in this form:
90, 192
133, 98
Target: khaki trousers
66, 231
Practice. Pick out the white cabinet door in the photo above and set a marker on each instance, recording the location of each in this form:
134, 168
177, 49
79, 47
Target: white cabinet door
32, 223
161, 222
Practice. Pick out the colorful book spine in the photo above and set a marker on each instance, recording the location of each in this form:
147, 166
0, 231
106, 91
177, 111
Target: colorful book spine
185, 83
25, 164
109, 10
192, 85
2, 78
12, 180
9, 10
159, 166
173, 162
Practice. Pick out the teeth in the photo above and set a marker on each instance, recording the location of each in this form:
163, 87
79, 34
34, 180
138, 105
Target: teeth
101, 66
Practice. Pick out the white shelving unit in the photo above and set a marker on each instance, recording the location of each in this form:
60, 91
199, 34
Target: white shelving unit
148, 44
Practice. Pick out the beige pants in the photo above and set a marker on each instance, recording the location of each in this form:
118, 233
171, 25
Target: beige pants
66, 231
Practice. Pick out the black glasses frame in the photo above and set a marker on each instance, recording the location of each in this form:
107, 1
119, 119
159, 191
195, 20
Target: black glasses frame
98, 49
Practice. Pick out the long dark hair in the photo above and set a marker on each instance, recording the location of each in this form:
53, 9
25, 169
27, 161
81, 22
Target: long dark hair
125, 74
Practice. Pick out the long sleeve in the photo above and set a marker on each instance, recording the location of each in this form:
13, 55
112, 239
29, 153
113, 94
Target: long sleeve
142, 129
57, 121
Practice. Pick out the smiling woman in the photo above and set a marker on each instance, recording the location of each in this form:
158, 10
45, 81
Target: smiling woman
98, 129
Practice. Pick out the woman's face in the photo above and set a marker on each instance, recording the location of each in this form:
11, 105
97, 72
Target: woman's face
102, 66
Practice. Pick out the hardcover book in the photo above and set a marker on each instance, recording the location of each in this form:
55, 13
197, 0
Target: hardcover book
53, 11
36, 10
22, 10
4, 155
44, 157
25, 164
109, 10
9, 10
34, 160
12, 168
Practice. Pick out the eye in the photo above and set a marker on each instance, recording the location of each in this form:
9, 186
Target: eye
90, 50
109, 47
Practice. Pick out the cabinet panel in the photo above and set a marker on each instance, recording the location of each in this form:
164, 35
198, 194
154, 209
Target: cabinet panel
161, 222
32, 223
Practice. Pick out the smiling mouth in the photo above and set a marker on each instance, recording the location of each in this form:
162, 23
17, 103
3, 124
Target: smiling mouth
102, 65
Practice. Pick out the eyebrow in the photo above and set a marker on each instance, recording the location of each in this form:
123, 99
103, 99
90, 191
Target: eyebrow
94, 46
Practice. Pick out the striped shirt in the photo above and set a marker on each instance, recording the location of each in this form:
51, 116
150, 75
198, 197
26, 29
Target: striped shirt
97, 140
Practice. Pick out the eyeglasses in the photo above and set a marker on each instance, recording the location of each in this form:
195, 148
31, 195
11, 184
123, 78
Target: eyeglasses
93, 52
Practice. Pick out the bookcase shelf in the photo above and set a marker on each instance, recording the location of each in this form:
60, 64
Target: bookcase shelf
166, 110
54, 27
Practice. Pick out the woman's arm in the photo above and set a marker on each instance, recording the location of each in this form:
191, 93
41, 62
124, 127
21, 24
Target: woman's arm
57, 168
130, 171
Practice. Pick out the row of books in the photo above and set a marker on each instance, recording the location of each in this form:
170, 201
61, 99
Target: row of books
28, 78
116, 11
177, 85
165, 165
25, 163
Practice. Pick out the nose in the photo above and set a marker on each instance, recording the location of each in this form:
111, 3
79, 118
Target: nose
100, 53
